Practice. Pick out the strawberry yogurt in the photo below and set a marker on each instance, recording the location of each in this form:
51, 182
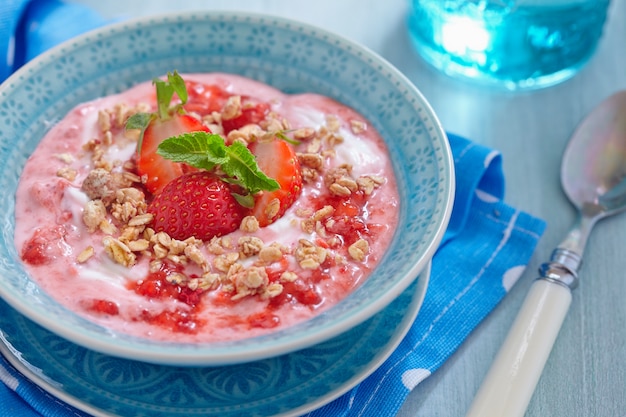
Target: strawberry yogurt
84, 235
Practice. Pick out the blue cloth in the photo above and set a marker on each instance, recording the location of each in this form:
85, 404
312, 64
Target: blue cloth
485, 249
10, 13
30, 27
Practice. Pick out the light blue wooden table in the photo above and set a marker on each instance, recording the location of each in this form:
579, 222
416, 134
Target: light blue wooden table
586, 374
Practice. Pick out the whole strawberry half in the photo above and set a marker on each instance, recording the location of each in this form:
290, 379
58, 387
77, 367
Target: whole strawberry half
277, 159
196, 204
167, 121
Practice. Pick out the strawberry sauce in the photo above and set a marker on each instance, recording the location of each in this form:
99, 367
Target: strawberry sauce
83, 234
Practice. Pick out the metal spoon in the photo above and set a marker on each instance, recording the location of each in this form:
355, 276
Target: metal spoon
593, 175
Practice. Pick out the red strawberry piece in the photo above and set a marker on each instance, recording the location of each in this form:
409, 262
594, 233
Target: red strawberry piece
277, 159
251, 113
46, 244
101, 306
351, 228
263, 320
196, 204
158, 170
181, 321
157, 286
204, 98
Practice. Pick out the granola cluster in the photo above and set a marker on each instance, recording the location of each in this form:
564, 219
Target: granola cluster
237, 264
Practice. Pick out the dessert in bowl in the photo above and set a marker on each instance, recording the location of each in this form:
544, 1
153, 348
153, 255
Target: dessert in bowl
88, 245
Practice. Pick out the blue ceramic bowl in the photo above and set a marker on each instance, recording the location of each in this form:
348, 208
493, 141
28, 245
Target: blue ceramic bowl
291, 56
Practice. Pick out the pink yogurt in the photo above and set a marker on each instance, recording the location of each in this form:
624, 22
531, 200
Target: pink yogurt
49, 211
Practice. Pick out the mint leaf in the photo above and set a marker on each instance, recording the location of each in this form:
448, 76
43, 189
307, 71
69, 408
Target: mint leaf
282, 135
242, 165
164, 94
178, 85
208, 151
165, 91
246, 201
199, 149
139, 121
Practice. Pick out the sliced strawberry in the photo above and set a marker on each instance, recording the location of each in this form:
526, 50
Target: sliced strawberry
167, 121
158, 170
277, 159
196, 204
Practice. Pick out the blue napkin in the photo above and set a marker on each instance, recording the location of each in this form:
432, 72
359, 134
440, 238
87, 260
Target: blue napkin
29, 27
485, 249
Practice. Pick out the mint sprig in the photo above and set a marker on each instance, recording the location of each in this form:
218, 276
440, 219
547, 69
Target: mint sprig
165, 90
282, 135
208, 151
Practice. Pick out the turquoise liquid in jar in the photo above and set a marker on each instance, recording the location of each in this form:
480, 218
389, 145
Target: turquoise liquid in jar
515, 44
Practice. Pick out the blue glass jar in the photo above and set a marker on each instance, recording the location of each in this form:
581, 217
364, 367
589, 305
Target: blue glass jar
513, 44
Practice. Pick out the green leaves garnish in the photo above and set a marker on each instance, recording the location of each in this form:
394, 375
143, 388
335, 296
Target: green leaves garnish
208, 151
165, 91
139, 121
282, 135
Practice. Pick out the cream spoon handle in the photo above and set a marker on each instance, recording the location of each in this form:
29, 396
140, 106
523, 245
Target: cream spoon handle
511, 380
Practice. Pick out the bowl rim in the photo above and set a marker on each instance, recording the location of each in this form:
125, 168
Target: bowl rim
203, 355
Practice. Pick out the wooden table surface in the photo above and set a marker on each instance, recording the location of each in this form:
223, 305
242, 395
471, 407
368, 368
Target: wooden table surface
586, 373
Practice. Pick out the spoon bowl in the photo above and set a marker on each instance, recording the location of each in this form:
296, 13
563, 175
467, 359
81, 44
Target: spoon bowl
593, 170
593, 174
